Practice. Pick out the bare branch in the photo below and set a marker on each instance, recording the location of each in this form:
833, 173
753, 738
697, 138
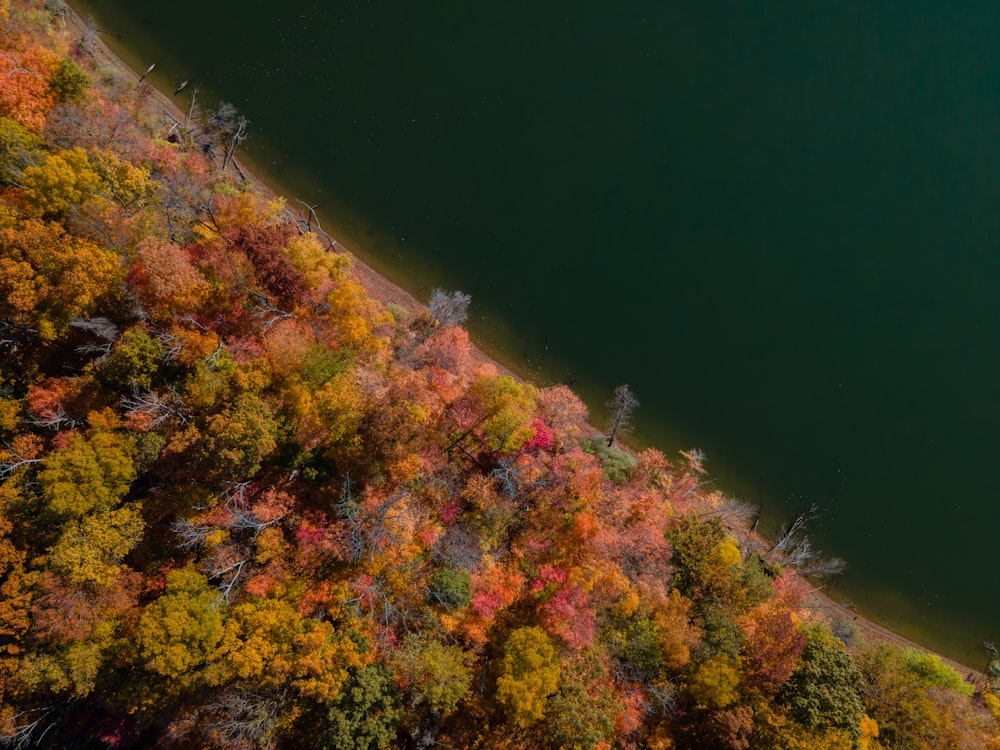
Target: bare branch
225, 565
448, 308
622, 406
192, 536
794, 550
243, 718
53, 419
159, 408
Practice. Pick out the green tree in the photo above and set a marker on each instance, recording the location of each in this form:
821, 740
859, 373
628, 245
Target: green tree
582, 713
824, 692
450, 587
439, 675
68, 81
529, 675
133, 363
19, 148
366, 714
242, 436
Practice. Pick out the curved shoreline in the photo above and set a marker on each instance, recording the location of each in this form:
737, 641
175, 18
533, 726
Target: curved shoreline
388, 292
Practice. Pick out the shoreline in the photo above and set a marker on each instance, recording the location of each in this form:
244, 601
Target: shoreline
387, 292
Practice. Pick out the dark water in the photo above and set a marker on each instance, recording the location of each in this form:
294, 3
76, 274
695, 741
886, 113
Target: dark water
778, 223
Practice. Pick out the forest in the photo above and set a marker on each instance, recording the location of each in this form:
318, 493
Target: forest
246, 504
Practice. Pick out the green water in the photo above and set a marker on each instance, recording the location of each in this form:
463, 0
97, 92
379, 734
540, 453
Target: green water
777, 222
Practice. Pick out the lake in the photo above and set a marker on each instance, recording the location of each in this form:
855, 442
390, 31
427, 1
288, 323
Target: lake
778, 222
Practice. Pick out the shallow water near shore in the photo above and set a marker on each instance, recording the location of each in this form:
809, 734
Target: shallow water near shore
778, 226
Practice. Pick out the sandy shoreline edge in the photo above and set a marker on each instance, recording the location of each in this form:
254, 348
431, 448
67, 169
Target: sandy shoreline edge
388, 292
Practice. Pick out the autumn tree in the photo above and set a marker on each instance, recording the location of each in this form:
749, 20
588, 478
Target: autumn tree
167, 277
26, 94
772, 647
241, 437
919, 701
48, 277
264, 247
92, 548
62, 180
268, 643
506, 408
179, 631
529, 675
437, 675
715, 682
91, 474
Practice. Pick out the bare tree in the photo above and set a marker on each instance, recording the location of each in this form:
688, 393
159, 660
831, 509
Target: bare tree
11, 461
243, 718
262, 308
191, 535
158, 407
231, 128
13, 334
225, 565
367, 530
508, 477
792, 549
621, 406
101, 329
22, 736
448, 308
53, 419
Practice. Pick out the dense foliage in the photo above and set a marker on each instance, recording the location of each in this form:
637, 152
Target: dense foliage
244, 505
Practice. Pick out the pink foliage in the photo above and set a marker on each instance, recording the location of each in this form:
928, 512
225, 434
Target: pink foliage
493, 590
272, 505
428, 534
244, 349
543, 438
451, 510
448, 348
550, 578
62, 439
308, 534
486, 603
569, 617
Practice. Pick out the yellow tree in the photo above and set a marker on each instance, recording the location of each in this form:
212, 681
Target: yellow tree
63, 179
267, 642
180, 630
91, 549
90, 474
48, 277
508, 408
529, 675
